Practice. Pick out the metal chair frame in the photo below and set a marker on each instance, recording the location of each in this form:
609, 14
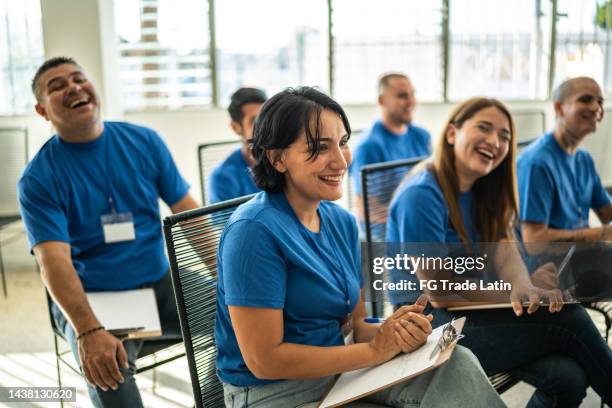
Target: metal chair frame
153, 354
207, 390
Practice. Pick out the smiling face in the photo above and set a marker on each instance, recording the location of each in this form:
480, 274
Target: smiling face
398, 101
310, 180
479, 145
68, 99
580, 113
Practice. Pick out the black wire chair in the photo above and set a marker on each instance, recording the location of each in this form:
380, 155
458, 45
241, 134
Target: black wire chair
192, 238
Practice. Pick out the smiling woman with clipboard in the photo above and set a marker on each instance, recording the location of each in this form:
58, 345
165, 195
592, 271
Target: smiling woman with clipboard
290, 282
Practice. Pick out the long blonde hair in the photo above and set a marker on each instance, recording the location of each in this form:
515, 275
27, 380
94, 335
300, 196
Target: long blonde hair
495, 195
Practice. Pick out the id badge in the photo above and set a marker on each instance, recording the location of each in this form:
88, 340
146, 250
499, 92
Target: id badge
118, 227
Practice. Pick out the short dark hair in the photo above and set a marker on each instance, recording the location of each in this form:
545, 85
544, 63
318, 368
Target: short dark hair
383, 81
47, 65
281, 121
240, 98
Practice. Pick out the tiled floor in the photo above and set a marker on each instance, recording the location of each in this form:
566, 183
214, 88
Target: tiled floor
27, 358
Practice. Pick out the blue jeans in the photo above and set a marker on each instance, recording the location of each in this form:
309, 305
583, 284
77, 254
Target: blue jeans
127, 394
561, 354
460, 382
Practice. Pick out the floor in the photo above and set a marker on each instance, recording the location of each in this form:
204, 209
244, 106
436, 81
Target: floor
27, 358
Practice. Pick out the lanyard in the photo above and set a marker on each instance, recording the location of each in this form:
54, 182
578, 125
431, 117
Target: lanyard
111, 203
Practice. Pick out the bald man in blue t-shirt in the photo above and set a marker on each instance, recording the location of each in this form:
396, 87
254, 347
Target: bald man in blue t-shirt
558, 182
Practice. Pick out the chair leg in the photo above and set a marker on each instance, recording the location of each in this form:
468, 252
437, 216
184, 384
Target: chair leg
154, 387
57, 364
2, 273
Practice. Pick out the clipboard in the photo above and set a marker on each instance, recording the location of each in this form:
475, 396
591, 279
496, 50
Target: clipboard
130, 314
353, 385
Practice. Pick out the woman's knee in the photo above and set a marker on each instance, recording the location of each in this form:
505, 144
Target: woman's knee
464, 359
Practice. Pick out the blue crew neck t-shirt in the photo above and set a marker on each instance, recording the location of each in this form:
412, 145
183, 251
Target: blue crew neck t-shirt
380, 145
231, 179
558, 189
268, 259
65, 190
418, 213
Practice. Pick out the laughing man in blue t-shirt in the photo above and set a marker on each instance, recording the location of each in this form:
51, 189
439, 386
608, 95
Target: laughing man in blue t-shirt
89, 201
558, 182
232, 178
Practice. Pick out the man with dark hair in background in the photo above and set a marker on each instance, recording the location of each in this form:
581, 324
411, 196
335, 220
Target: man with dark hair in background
232, 178
90, 203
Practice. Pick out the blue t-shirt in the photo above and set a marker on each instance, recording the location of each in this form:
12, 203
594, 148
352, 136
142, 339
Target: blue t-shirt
418, 213
64, 191
380, 145
558, 189
268, 259
231, 179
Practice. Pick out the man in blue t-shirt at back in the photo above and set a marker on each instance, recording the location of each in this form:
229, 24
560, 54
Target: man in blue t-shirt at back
558, 182
89, 201
558, 185
232, 178
393, 137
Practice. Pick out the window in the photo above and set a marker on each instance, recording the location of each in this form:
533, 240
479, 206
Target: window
21, 52
497, 49
164, 53
271, 44
584, 41
375, 37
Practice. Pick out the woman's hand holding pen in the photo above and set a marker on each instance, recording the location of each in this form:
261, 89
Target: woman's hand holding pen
406, 330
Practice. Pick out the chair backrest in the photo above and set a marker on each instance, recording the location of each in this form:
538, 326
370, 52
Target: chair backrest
13, 158
529, 123
379, 182
209, 156
192, 238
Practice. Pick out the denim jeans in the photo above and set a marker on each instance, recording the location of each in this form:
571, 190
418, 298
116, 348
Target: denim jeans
561, 354
127, 394
460, 382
